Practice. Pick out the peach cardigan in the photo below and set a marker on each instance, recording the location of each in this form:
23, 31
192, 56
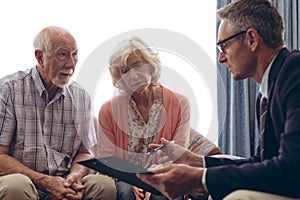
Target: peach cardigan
113, 121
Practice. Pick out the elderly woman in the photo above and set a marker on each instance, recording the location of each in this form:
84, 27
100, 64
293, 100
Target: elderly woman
143, 113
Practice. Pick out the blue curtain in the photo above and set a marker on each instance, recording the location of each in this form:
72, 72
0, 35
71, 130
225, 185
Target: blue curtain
290, 11
236, 99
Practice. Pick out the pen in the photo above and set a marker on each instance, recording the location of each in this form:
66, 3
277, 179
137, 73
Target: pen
159, 148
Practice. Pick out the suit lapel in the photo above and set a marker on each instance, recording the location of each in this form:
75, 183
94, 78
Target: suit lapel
275, 70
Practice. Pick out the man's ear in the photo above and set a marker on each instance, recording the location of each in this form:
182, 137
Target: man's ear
39, 56
253, 38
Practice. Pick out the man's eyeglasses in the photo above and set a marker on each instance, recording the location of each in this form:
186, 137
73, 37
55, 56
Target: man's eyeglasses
221, 44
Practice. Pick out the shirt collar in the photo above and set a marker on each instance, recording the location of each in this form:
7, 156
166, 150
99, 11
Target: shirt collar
40, 85
263, 89
38, 81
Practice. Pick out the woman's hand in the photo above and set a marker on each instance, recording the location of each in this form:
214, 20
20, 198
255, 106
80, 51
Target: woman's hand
140, 194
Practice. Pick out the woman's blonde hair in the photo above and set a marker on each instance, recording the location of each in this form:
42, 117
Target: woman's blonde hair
118, 59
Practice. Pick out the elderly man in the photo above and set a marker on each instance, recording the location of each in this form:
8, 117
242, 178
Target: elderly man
46, 127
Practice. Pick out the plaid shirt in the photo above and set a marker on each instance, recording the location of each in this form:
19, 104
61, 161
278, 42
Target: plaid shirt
44, 135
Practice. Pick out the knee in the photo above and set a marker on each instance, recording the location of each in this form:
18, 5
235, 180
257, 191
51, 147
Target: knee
237, 195
124, 191
99, 186
125, 194
17, 181
18, 185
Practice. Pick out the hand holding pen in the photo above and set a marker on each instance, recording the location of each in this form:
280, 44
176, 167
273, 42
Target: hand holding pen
157, 155
173, 153
152, 151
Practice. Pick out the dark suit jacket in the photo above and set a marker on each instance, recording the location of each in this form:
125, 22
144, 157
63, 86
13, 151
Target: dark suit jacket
279, 172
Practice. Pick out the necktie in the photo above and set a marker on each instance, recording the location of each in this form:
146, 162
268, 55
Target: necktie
263, 114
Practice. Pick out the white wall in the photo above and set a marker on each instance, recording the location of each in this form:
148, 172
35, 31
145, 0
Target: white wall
95, 22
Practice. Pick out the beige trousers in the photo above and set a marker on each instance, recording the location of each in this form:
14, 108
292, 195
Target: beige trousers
18, 186
253, 195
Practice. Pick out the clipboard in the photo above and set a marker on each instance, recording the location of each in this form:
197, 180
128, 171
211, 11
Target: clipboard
121, 169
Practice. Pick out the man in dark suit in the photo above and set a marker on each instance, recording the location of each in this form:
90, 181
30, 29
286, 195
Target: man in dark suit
251, 44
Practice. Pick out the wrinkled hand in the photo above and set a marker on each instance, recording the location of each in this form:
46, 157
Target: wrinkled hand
175, 180
73, 181
56, 188
140, 194
174, 153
